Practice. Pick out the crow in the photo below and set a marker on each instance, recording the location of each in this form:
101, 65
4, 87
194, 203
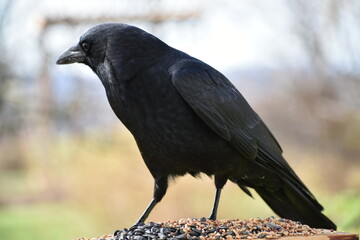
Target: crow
188, 118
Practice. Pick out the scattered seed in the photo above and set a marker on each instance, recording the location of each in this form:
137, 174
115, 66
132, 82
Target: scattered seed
271, 225
203, 228
232, 233
162, 236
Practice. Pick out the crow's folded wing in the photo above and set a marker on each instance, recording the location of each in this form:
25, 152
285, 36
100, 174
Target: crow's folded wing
221, 106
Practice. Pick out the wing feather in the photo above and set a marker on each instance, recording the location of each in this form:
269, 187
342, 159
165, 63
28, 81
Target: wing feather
221, 106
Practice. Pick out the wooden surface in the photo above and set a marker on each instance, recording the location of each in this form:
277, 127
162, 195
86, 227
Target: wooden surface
331, 236
319, 234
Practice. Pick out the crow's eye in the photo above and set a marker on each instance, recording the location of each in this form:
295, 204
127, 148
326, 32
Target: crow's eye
85, 46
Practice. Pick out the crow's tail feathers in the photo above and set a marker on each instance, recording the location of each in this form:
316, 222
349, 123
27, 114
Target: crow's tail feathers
292, 203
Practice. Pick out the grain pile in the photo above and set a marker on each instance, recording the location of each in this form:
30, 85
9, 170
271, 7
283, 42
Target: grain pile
203, 228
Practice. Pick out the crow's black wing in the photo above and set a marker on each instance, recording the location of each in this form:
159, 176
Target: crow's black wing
222, 107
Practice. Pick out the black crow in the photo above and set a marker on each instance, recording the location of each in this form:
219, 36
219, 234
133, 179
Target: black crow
187, 117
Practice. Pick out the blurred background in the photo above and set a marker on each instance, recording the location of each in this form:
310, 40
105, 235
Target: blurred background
70, 169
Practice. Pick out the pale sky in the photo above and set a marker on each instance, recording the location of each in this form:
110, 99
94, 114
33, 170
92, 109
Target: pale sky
228, 34
221, 37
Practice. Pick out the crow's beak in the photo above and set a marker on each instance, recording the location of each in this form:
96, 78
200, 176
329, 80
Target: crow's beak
72, 55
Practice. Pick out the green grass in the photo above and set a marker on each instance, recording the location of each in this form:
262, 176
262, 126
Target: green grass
45, 221
345, 207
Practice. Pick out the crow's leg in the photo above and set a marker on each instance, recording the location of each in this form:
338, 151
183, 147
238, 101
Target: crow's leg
219, 184
160, 188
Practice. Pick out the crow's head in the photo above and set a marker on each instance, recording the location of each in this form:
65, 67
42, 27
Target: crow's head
115, 51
